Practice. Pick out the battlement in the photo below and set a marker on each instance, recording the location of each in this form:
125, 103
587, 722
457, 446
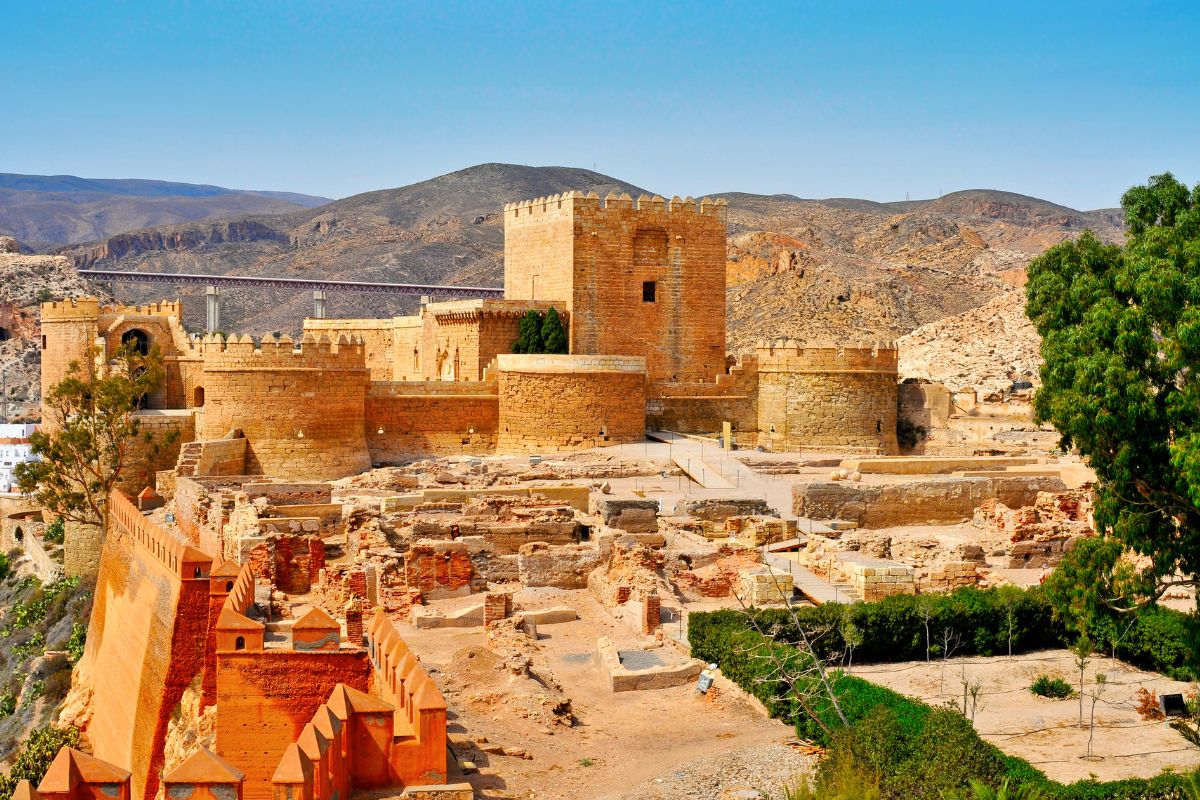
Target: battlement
75, 308
90, 308
576, 202
183, 561
790, 355
310, 352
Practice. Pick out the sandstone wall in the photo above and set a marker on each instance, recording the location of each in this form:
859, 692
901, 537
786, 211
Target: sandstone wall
377, 335
302, 410
570, 402
598, 256
145, 645
69, 332
827, 396
919, 502
168, 431
403, 420
265, 699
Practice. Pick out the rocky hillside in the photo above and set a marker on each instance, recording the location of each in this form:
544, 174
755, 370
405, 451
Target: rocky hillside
986, 347
25, 280
445, 230
52, 210
835, 268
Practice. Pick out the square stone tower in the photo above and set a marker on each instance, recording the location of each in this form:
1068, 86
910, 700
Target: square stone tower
643, 278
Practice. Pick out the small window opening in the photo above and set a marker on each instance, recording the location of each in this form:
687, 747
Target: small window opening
229, 586
649, 291
240, 643
43, 341
879, 426
4, 335
196, 572
198, 397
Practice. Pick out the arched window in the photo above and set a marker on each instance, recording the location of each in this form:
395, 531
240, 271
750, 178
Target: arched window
198, 397
240, 643
137, 340
196, 572
229, 586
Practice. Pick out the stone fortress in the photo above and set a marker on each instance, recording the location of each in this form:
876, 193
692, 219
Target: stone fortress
641, 287
261, 606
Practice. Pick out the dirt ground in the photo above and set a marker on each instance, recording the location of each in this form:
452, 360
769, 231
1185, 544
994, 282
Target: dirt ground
618, 740
1046, 732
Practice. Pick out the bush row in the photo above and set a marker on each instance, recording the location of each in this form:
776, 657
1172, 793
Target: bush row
985, 621
918, 751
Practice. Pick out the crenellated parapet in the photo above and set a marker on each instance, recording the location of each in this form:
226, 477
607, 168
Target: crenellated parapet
240, 353
181, 559
576, 202
74, 308
790, 355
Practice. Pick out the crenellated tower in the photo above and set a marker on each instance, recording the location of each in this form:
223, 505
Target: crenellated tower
839, 396
639, 278
300, 405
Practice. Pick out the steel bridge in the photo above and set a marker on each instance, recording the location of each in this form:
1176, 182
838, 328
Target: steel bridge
317, 287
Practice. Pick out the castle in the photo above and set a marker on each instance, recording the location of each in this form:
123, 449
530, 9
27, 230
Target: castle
641, 287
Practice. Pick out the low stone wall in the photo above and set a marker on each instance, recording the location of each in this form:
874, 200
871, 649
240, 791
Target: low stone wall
222, 457
875, 578
921, 502
25, 529
629, 514
570, 402
167, 432
622, 679
407, 420
574, 496
563, 567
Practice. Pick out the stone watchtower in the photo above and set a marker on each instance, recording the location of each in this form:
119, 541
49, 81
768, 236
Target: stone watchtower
644, 278
69, 332
301, 407
827, 395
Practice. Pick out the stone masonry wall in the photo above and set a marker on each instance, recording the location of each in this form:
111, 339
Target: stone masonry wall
827, 396
570, 402
301, 410
598, 257
404, 420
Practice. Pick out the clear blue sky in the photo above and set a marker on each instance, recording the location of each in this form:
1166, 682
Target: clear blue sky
1070, 101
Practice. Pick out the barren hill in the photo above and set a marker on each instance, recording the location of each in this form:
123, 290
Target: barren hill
51, 210
986, 347
802, 268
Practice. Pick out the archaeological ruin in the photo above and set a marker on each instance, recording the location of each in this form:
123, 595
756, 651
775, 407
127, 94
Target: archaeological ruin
394, 558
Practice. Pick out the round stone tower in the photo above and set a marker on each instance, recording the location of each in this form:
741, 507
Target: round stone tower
826, 395
300, 407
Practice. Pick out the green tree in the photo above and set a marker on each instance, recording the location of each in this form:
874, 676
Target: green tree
1120, 331
93, 433
35, 756
529, 333
554, 338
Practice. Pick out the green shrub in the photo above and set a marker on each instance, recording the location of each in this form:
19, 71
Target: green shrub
56, 532
5, 566
915, 750
77, 642
1054, 688
554, 338
35, 756
8, 704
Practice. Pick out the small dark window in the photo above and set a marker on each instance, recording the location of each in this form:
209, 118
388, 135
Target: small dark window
879, 426
43, 341
198, 397
196, 572
229, 586
649, 291
240, 644
4, 335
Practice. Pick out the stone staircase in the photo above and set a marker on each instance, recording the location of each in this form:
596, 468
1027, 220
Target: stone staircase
189, 458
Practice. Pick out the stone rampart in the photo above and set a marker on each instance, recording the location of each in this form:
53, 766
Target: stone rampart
827, 396
301, 408
404, 420
929, 501
560, 402
146, 640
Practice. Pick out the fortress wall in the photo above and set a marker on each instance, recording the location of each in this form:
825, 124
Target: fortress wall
838, 397
403, 420
377, 336
145, 643
265, 699
169, 431
598, 255
570, 402
301, 410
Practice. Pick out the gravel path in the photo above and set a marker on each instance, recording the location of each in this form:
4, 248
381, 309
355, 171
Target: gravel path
767, 768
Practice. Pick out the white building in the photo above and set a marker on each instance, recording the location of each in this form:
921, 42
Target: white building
14, 449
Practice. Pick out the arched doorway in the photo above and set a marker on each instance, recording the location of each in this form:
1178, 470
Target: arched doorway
137, 340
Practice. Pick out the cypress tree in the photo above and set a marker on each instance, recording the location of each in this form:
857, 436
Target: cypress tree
554, 338
529, 333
